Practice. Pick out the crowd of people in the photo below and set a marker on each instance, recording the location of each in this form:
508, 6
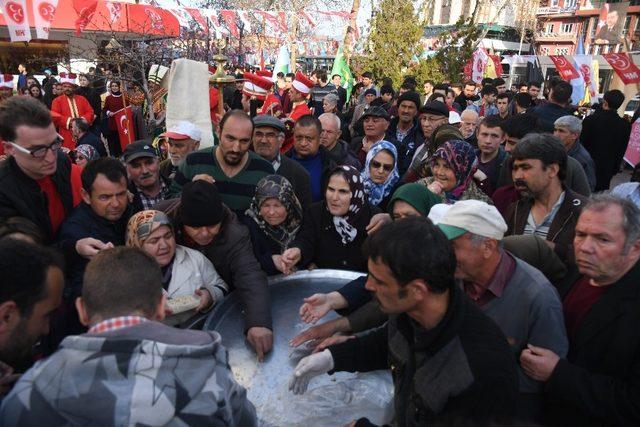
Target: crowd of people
501, 274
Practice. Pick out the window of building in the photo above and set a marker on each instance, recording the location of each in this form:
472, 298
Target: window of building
570, 3
627, 24
553, 3
566, 28
593, 25
544, 50
549, 28
562, 51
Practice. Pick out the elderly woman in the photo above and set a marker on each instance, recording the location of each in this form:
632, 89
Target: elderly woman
185, 271
273, 220
84, 154
334, 230
453, 166
380, 174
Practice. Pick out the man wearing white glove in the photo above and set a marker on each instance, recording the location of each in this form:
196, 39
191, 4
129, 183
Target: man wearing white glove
448, 359
309, 367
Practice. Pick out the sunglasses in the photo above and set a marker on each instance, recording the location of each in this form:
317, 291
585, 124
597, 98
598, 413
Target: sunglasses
377, 165
41, 151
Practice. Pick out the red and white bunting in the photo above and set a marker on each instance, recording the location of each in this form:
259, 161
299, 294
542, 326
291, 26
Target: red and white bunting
43, 13
229, 17
309, 19
624, 67
15, 13
244, 16
564, 67
115, 9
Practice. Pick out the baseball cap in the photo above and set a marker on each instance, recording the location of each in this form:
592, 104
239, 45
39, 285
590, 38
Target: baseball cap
268, 121
435, 107
473, 216
183, 130
376, 112
137, 149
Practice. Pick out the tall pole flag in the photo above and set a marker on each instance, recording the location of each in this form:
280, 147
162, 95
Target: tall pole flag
282, 62
341, 68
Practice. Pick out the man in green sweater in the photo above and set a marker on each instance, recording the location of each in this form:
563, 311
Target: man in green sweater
231, 166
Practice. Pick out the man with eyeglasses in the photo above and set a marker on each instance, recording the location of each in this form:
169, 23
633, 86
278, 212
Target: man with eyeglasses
330, 139
39, 182
268, 136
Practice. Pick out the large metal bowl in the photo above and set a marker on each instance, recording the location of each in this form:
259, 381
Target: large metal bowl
330, 400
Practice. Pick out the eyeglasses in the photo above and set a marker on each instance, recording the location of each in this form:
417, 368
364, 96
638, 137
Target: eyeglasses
40, 152
269, 135
377, 165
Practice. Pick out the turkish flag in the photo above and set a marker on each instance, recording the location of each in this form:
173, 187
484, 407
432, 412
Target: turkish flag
85, 10
124, 121
624, 67
566, 70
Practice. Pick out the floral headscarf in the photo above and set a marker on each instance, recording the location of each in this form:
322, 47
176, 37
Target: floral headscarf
461, 158
142, 224
377, 192
345, 225
87, 151
277, 187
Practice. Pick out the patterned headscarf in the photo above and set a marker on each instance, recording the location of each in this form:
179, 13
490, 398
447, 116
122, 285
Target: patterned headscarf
345, 225
142, 224
87, 151
377, 192
277, 187
461, 158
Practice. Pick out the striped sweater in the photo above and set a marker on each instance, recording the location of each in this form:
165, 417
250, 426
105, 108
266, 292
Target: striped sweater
237, 191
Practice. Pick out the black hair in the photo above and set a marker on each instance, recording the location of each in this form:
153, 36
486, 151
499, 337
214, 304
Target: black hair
387, 89
368, 75
488, 89
437, 95
321, 74
544, 147
523, 99
614, 99
561, 92
333, 75
441, 86
408, 86
81, 124
386, 81
22, 111
395, 246
470, 83
519, 125
503, 95
292, 75
522, 84
20, 225
535, 83
486, 81
111, 168
280, 75
133, 283
492, 122
237, 114
309, 120
431, 82
24, 269
498, 81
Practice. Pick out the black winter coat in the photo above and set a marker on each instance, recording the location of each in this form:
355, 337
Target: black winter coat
321, 244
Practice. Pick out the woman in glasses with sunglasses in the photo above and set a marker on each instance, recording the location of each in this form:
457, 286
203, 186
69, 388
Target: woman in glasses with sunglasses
380, 174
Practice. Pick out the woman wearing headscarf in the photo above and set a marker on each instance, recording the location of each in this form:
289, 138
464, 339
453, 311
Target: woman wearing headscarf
380, 174
184, 271
334, 230
412, 200
273, 219
453, 166
84, 154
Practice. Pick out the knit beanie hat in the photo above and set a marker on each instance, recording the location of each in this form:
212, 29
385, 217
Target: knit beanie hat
410, 96
201, 204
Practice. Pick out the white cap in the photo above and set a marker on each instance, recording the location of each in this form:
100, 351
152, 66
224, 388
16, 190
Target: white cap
183, 130
437, 212
454, 117
473, 216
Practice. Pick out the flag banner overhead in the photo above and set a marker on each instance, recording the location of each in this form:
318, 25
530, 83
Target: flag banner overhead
43, 13
16, 19
624, 67
564, 67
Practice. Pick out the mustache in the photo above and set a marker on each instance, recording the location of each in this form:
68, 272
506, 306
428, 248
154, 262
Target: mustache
146, 175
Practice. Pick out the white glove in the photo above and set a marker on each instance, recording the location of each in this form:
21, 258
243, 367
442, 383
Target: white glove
309, 367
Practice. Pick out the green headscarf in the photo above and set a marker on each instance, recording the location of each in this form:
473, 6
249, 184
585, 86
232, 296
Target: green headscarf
417, 195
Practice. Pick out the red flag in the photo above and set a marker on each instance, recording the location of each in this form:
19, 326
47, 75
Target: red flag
623, 66
85, 10
124, 120
229, 17
566, 70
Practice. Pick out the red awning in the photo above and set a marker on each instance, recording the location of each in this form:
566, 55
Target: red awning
113, 16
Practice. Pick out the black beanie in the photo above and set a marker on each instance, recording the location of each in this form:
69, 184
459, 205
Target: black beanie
201, 204
410, 96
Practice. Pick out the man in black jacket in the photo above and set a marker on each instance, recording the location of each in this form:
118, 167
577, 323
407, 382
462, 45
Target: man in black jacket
267, 139
449, 362
39, 183
203, 222
146, 183
406, 130
338, 149
605, 135
101, 219
599, 382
